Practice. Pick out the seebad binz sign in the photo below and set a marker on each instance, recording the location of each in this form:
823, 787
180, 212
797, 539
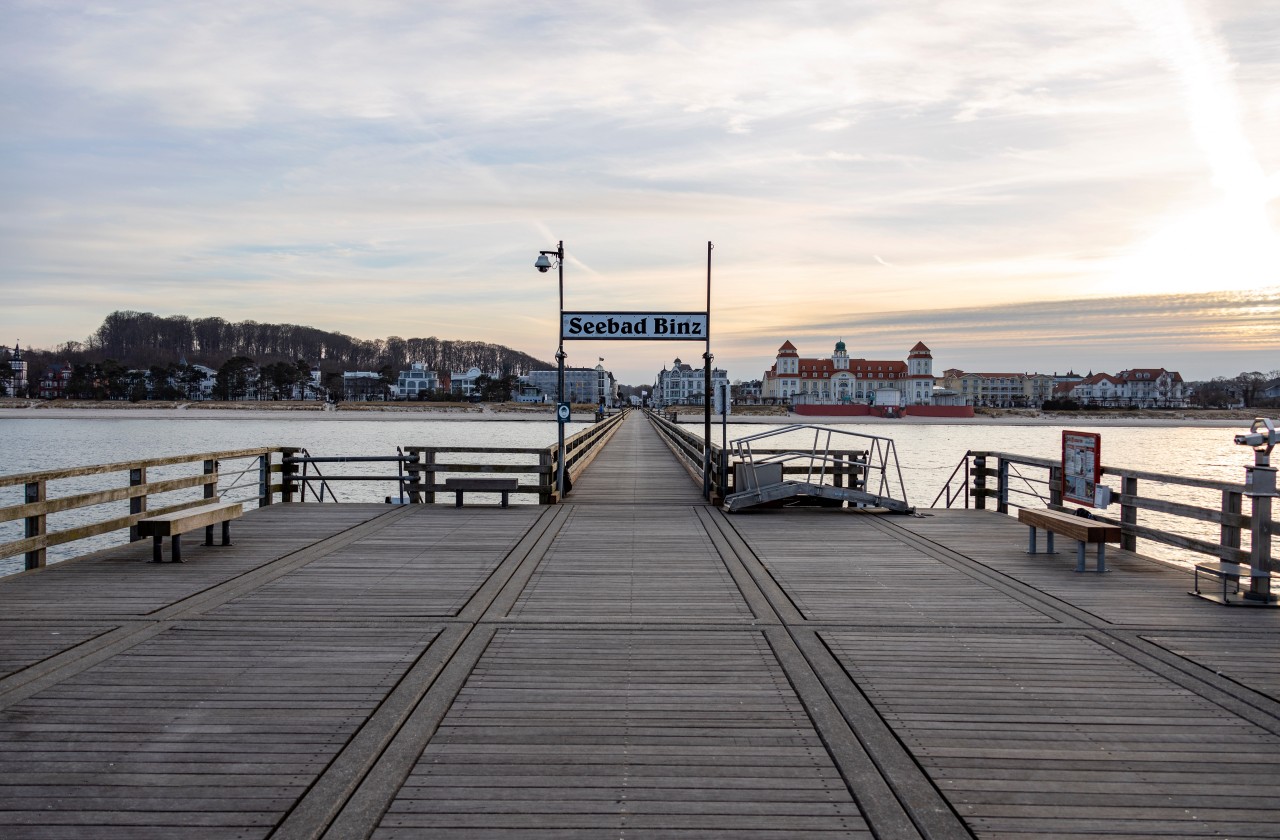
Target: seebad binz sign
652, 326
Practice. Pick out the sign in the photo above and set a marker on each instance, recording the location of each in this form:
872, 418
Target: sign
630, 326
1081, 466
562, 412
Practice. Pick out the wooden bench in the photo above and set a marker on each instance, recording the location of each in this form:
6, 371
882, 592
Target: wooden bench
480, 485
174, 525
1079, 528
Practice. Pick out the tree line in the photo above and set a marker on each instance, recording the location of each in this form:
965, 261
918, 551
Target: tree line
141, 341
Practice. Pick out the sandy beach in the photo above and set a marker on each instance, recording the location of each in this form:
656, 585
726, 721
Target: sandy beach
392, 412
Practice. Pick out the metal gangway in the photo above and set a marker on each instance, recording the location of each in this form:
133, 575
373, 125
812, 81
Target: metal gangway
762, 478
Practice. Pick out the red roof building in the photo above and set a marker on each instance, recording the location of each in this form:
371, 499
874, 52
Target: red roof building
841, 379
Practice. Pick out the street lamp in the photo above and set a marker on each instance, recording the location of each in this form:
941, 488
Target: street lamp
544, 264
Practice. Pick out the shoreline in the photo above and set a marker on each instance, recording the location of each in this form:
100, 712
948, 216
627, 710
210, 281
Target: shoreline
394, 412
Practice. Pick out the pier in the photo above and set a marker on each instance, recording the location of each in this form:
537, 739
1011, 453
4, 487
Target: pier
631, 662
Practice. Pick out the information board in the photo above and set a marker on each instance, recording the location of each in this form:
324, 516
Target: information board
1081, 466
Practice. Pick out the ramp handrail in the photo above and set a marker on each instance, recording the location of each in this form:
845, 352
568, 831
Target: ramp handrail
878, 455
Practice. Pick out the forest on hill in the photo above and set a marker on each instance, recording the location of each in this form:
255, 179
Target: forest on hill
142, 340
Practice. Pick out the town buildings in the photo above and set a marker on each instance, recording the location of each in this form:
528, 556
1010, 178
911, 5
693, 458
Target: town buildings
843, 380
685, 385
1137, 388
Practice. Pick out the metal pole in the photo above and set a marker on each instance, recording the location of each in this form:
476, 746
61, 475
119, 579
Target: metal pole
706, 365
560, 360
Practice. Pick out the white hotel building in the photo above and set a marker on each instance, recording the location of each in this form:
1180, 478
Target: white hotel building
842, 380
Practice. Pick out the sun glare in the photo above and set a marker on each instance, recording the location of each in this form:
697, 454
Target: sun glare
1229, 246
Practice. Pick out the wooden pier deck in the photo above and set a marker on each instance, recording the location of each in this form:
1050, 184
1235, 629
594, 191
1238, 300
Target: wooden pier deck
633, 663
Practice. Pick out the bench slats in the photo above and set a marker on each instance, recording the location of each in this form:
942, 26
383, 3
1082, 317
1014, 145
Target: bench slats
166, 525
1076, 527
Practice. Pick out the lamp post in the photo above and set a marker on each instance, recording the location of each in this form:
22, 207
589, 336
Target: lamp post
543, 264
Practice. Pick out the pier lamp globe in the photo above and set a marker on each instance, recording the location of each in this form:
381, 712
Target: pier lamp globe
544, 264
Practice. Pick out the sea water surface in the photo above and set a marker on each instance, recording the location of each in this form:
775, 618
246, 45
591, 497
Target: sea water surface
927, 454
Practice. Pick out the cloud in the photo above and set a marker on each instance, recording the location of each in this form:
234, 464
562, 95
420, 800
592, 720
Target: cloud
393, 165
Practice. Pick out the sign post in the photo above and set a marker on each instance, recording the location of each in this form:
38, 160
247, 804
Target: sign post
631, 326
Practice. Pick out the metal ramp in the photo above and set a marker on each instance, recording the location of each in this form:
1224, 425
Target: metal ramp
761, 478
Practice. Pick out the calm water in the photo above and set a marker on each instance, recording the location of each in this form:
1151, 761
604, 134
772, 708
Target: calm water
926, 454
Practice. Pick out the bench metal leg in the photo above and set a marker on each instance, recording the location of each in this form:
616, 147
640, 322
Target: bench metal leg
1048, 539
1031, 540
1079, 556
208, 535
1102, 557
457, 498
504, 498
226, 532
157, 549
176, 541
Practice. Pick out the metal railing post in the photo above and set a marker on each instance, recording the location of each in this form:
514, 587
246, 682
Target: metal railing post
33, 492
211, 489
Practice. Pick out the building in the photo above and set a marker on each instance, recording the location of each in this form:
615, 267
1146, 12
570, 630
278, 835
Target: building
748, 393
842, 380
581, 385
416, 382
686, 385
1002, 390
363, 385
1136, 388
53, 383
18, 365
464, 384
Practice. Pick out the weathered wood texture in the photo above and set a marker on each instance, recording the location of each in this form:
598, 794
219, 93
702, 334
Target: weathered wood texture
631, 664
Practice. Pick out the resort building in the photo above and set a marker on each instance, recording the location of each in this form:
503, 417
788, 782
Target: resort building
842, 380
685, 385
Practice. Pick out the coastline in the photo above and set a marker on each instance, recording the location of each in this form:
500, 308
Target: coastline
399, 412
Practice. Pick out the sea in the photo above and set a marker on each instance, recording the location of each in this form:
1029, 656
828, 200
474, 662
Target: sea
926, 454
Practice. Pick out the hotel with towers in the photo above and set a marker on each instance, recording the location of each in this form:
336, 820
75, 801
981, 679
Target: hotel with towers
841, 380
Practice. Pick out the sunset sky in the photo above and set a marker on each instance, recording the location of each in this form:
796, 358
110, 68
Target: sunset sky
1023, 185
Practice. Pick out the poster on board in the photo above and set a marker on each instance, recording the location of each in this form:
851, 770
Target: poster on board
1081, 466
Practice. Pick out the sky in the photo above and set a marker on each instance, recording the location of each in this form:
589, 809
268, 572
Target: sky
1024, 185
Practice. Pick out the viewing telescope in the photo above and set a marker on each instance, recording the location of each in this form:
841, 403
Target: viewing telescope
1262, 434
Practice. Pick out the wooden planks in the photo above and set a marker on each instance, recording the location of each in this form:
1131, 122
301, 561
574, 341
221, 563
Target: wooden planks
678, 733
838, 566
619, 563
427, 563
1055, 735
205, 730
633, 663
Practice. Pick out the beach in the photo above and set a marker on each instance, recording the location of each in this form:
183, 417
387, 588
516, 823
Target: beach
395, 411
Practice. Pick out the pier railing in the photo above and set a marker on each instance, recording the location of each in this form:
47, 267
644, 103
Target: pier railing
77, 504
843, 469
1206, 517
68, 505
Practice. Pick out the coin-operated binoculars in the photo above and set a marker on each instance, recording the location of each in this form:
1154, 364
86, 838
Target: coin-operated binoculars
1260, 483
